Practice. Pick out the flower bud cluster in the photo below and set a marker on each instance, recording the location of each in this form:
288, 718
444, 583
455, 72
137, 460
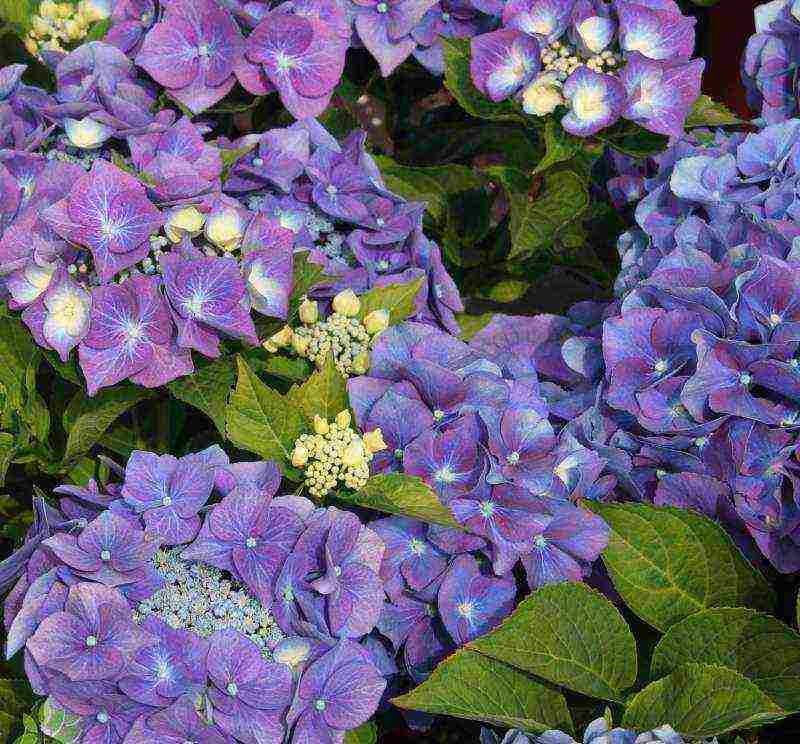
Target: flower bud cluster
199, 598
341, 334
560, 58
57, 24
336, 454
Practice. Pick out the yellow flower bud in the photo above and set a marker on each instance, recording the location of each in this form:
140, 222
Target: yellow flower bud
64, 10
361, 363
354, 454
48, 9
373, 441
282, 338
300, 344
225, 229
347, 303
308, 312
376, 321
95, 10
39, 26
186, 221
299, 456
321, 425
343, 419
74, 30
31, 46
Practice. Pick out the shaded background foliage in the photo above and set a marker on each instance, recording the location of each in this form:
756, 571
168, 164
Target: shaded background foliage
412, 119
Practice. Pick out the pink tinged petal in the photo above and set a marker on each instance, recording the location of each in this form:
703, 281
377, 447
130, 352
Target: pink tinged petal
373, 32
224, 40
66, 548
657, 34
319, 68
252, 77
169, 54
352, 694
198, 96
354, 609
596, 101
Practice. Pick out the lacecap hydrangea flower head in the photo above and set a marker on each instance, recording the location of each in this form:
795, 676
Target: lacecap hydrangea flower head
119, 238
190, 601
598, 62
696, 369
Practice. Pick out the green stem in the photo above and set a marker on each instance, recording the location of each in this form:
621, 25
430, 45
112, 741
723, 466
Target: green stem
162, 425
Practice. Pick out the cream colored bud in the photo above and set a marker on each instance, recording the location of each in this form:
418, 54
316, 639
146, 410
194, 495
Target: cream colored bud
300, 344
225, 229
74, 30
39, 26
86, 133
282, 338
185, 221
373, 441
542, 96
321, 426
343, 419
48, 9
31, 46
376, 321
64, 10
308, 312
299, 456
361, 363
354, 454
347, 303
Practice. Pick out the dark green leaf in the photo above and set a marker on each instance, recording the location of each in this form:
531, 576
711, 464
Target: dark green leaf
559, 146
365, 734
324, 393
537, 222
669, 563
398, 299
706, 112
208, 388
631, 139
471, 324
554, 635
406, 495
88, 418
756, 645
468, 685
700, 700
261, 420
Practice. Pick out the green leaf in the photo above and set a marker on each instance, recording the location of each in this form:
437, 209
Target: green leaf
554, 635
293, 369
398, 299
8, 449
508, 290
700, 701
57, 723
17, 348
468, 685
34, 412
231, 156
324, 393
97, 31
560, 146
536, 222
406, 495
471, 324
30, 734
633, 140
459, 82
207, 389
306, 274
18, 13
756, 645
261, 420
15, 696
68, 370
89, 418
706, 112
364, 734
668, 563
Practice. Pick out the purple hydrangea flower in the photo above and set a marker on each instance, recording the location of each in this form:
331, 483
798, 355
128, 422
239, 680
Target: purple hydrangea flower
177, 724
596, 101
503, 62
92, 639
168, 493
108, 212
338, 692
191, 51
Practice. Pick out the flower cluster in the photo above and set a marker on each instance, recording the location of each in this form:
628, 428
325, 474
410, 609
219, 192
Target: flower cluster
597, 732
189, 602
341, 335
335, 454
57, 24
119, 239
601, 62
696, 369
484, 425
770, 61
